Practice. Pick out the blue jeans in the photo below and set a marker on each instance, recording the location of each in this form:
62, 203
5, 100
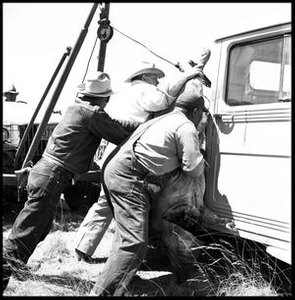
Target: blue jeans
46, 182
127, 188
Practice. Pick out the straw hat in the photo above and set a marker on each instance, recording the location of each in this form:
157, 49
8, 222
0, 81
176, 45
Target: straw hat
99, 86
146, 68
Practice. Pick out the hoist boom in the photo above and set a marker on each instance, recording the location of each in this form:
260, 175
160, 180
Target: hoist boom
104, 33
10, 179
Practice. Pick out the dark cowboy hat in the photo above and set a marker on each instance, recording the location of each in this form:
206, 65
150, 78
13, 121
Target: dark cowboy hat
11, 90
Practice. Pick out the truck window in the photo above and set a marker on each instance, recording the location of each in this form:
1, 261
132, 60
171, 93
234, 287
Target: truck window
259, 72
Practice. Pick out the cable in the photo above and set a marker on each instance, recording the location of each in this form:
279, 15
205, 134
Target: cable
175, 65
88, 62
90, 58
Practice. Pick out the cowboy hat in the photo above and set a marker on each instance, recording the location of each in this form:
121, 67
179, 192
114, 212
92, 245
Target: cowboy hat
98, 86
11, 90
146, 68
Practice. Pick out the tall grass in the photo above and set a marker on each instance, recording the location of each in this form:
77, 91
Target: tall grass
223, 267
240, 268
227, 266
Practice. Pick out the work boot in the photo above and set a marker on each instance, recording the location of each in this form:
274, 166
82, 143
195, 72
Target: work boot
81, 256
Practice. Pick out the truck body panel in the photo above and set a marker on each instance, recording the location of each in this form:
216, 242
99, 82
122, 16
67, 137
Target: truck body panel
249, 136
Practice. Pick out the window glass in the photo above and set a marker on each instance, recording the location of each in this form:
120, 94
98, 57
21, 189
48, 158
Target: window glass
285, 95
264, 76
259, 72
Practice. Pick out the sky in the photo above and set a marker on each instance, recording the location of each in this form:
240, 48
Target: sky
36, 35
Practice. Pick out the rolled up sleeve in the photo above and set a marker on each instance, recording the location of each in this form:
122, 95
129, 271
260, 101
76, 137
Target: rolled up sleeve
192, 162
154, 99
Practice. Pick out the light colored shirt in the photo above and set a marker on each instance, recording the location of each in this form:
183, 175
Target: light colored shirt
136, 101
170, 143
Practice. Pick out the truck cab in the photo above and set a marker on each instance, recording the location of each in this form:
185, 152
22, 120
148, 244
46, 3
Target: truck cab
16, 117
249, 136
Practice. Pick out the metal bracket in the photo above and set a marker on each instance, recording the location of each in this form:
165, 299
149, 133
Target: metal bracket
105, 31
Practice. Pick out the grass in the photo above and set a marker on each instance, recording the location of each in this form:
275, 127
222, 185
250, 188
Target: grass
237, 275
238, 267
238, 284
225, 267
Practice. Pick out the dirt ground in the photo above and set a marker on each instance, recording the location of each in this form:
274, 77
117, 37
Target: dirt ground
50, 272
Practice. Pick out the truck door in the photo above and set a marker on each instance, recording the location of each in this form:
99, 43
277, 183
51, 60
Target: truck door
249, 138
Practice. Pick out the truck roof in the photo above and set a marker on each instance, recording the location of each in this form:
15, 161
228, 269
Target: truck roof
251, 31
20, 113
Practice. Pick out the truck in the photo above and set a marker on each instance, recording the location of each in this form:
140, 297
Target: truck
248, 143
248, 135
16, 117
36, 140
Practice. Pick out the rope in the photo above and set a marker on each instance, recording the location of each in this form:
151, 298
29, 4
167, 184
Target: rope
175, 65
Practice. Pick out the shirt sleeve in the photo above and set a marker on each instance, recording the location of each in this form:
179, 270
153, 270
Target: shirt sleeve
192, 162
103, 126
154, 99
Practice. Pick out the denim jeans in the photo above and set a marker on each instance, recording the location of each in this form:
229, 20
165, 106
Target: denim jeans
94, 226
97, 219
129, 197
46, 182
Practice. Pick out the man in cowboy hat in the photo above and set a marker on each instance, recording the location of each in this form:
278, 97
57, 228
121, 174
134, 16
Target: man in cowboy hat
144, 96
69, 151
11, 94
132, 105
140, 96
138, 102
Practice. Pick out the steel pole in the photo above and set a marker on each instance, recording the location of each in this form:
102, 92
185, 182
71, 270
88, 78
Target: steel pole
104, 17
27, 131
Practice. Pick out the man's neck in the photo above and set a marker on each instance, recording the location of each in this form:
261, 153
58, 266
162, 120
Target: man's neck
90, 100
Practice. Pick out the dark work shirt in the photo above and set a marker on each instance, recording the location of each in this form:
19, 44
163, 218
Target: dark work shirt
76, 138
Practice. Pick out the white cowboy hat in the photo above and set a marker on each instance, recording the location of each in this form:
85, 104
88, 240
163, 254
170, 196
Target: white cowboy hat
146, 68
100, 86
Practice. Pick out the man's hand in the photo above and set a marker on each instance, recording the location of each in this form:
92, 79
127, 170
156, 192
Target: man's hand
199, 74
90, 176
